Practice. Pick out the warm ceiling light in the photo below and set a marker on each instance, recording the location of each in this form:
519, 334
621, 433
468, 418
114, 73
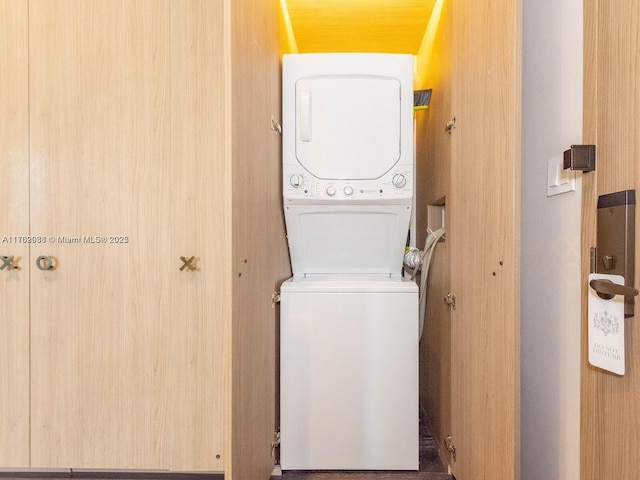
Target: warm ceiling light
359, 25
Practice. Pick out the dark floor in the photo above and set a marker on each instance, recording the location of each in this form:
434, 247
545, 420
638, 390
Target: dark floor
431, 467
71, 474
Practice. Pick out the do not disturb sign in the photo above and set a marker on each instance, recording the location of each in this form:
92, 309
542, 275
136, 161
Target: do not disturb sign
606, 328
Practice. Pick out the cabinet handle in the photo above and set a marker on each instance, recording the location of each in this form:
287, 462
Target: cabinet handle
10, 262
45, 262
187, 263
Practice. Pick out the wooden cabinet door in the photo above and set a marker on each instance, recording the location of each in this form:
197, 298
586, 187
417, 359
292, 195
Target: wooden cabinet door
14, 230
127, 171
483, 233
610, 404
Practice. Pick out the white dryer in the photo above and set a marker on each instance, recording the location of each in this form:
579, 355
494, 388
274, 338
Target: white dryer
349, 321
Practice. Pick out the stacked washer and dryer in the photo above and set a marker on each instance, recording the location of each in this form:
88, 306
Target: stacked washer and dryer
349, 320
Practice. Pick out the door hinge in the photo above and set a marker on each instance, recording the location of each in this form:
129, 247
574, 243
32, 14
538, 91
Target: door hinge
451, 448
275, 444
451, 124
275, 298
276, 128
450, 300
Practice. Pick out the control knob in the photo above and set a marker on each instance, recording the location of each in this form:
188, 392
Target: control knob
399, 180
296, 180
331, 191
348, 190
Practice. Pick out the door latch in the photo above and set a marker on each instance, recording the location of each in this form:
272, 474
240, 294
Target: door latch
615, 251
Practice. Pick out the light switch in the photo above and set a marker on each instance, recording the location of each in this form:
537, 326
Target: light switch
559, 180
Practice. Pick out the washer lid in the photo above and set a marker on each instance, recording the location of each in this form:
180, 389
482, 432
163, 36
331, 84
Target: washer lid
348, 284
348, 126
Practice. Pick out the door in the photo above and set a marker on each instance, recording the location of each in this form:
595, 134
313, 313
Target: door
328, 107
100, 388
14, 232
610, 412
128, 351
469, 183
483, 232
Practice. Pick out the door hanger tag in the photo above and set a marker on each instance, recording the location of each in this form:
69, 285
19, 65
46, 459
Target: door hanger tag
606, 328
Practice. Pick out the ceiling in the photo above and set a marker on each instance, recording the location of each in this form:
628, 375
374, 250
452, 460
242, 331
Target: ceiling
389, 26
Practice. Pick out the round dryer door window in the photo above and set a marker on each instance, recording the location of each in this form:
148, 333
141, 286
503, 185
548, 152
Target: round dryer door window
348, 126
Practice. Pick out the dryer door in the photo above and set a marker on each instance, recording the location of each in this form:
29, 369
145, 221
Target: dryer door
348, 126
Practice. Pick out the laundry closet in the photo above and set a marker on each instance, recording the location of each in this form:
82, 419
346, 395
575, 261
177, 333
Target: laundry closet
156, 124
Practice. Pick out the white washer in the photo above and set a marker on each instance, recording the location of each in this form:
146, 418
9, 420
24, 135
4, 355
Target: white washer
349, 322
349, 374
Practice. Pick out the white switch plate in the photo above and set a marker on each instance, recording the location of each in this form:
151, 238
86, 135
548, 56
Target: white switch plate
559, 180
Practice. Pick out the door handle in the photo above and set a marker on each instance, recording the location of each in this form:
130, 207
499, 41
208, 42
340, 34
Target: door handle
607, 289
305, 117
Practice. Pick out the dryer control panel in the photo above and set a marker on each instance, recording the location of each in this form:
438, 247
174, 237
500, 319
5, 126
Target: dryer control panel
299, 185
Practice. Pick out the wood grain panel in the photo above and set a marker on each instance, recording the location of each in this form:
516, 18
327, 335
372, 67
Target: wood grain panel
99, 77
200, 213
484, 231
127, 139
259, 255
618, 102
591, 468
433, 159
610, 424
14, 221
